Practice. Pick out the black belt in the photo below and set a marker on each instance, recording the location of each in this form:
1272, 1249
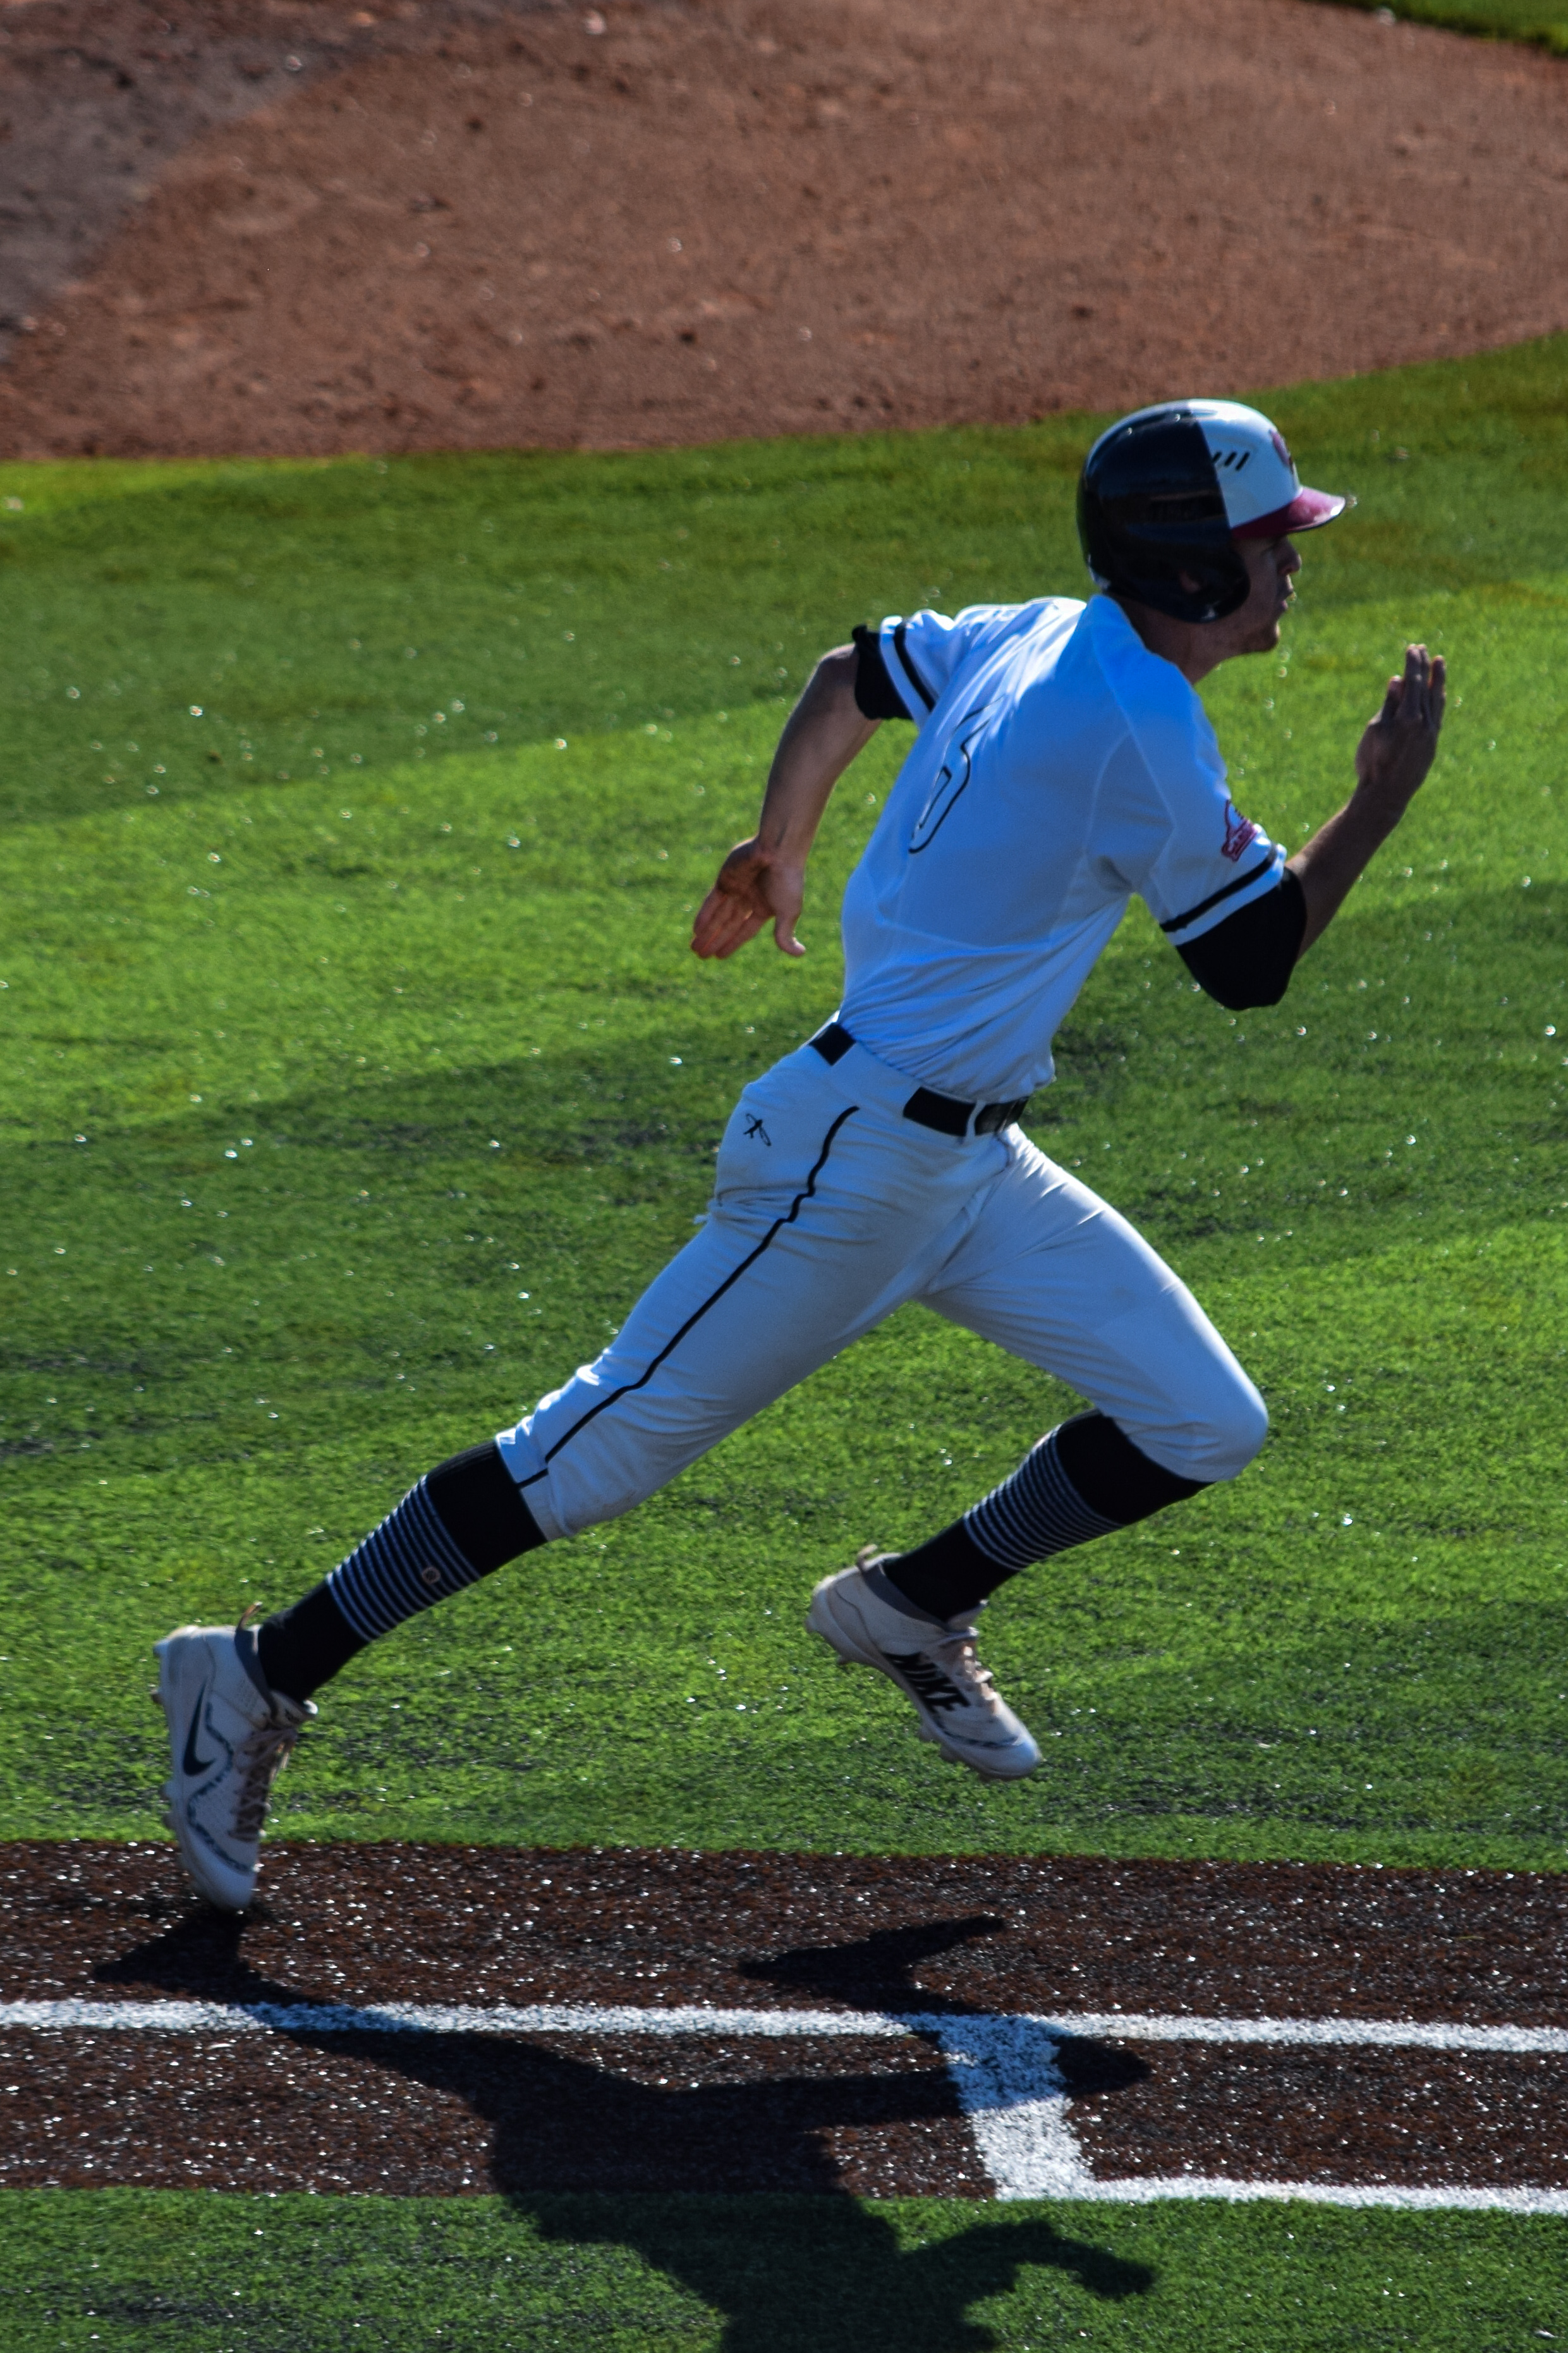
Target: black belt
945, 1112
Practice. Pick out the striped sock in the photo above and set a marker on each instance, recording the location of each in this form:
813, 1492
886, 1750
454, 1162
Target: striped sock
404, 1565
1036, 1513
463, 1520
1052, 1501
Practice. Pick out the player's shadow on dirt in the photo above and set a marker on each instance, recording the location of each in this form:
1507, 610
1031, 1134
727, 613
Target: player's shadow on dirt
198, 1954
792, 2272
734, 2165
876, 1972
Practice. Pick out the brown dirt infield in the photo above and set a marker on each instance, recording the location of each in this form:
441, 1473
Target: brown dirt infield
454, 2114
367, 1923
663, 221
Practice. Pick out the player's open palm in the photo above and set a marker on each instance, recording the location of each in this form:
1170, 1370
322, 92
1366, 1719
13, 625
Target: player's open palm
753, 887
1400, 744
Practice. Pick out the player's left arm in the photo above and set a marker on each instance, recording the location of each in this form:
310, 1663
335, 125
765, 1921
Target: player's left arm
1392, 762
762, 880
1247, 960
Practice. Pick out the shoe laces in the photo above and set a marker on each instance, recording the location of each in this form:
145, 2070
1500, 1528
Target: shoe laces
957, 1655
263, 1757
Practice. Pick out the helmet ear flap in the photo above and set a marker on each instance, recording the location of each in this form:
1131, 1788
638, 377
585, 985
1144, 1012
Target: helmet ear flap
1220, 584
1151, 519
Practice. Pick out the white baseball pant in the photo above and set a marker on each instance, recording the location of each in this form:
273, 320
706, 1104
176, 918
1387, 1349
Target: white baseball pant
829, 1210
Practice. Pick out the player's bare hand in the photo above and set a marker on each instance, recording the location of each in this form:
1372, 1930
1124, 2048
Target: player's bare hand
1400, 744
753, 887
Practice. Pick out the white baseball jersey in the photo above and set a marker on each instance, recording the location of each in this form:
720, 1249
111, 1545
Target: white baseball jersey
1059, 768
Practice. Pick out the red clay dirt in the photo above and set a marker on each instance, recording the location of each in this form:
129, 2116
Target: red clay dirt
663, 221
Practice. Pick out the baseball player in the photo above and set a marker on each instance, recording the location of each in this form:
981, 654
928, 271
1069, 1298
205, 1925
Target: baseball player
1061, 764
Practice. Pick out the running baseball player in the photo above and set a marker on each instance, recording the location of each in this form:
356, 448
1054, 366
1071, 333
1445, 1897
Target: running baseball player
1062, 764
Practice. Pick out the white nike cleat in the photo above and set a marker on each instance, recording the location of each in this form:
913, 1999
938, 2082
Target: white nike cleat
230, 1737
932, 1664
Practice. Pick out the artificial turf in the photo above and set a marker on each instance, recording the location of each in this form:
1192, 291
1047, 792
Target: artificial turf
150, 2272
346, 1106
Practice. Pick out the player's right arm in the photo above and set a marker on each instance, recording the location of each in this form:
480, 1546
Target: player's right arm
763, 881
898, 672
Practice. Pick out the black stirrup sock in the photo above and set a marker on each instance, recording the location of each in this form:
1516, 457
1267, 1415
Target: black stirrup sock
1082, 1481
463, 1520
300, 1648
1114, 1477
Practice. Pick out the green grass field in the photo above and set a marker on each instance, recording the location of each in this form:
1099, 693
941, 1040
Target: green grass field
1539, 22
356, 1074
148, 2272
346, 1107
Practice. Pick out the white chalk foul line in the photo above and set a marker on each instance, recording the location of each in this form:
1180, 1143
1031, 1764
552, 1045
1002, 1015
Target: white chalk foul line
436, 2018
172, 2017
1384, 2033
1008, 2075
1006, 2071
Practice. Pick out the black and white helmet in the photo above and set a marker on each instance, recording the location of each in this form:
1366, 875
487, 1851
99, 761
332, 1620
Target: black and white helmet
1168, 492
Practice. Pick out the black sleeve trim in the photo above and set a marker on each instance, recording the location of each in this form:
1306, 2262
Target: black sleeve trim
876, 696
900, 647
1248, 959
1180, 922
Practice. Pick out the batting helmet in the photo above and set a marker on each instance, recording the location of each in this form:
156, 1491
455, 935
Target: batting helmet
1165, 494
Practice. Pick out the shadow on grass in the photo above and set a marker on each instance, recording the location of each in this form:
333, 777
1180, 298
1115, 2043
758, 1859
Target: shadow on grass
833, 2275
789, 2257
743, 2190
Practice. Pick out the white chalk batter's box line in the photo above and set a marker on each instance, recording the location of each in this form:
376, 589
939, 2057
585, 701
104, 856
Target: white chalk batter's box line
1005, 2068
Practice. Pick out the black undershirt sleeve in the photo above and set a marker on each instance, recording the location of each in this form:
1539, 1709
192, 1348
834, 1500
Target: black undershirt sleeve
876, 696
1248, 959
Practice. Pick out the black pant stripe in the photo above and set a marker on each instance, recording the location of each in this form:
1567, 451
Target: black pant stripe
788, 1219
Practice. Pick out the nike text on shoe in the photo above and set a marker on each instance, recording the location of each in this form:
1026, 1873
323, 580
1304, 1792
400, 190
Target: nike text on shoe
932, 1664
229, 1736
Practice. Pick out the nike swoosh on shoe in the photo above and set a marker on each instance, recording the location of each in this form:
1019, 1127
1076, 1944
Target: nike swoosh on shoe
190, 1762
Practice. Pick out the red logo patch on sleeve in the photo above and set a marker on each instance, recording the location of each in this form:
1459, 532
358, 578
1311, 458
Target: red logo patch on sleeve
1238, 831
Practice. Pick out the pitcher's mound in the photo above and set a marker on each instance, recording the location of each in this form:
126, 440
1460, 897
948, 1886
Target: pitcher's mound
631, 224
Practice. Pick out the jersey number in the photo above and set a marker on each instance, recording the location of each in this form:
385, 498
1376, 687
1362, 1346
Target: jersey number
955, 773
